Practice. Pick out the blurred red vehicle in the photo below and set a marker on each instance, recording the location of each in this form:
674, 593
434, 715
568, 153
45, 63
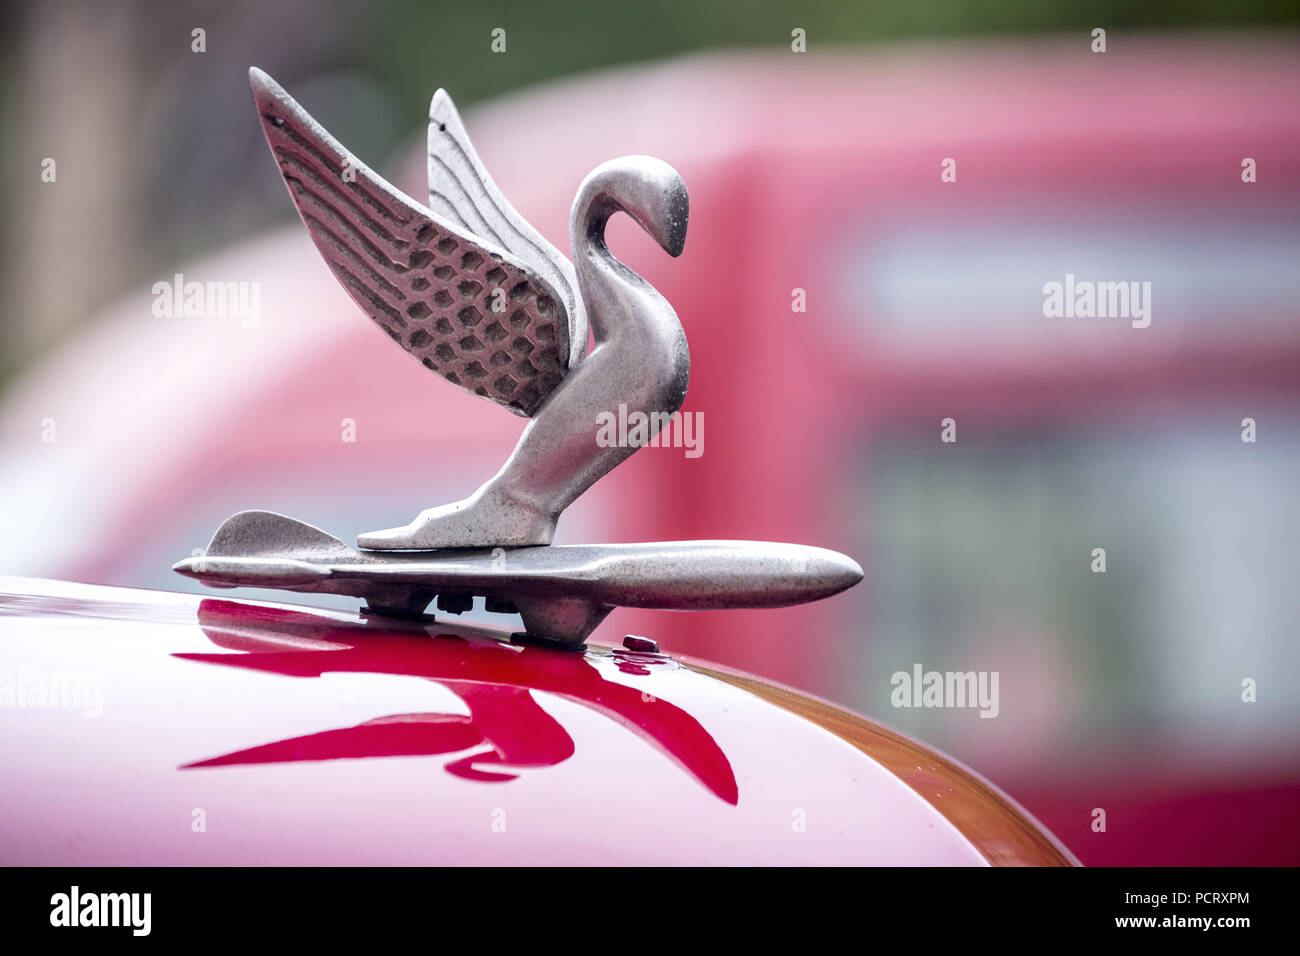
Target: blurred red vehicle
922, 302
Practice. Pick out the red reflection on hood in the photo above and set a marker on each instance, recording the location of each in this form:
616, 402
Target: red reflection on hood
494, 679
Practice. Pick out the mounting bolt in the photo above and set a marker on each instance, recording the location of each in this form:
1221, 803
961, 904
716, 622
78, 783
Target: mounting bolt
635, 642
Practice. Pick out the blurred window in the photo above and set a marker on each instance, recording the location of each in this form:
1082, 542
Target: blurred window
979, 554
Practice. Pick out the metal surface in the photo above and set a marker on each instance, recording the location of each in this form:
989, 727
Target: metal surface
475, 294
455, 299
561, 592
640, 362
427, 281
462, 191
281, 725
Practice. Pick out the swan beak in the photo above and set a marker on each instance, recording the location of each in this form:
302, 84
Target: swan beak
675, 240
673, 216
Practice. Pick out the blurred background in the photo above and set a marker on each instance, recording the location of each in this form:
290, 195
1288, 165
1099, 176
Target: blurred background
126, 437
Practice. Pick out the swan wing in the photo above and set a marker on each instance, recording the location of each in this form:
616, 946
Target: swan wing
460, 304
462, 191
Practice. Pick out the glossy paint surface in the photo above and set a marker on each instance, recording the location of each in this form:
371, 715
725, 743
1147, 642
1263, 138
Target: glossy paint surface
144, 727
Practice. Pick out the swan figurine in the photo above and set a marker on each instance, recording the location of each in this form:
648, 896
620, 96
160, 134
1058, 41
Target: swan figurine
475, 294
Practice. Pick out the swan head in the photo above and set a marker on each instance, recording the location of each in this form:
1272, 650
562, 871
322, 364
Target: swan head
647, 189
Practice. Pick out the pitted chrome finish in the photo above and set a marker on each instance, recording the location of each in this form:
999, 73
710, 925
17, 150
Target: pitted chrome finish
640, 360
472, 291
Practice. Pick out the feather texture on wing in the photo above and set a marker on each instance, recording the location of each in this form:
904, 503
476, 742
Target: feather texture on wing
467, 308
462, 191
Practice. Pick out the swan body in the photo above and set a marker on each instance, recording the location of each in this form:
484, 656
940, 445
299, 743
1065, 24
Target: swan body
467, 287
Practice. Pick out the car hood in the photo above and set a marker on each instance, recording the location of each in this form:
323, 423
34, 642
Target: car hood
143, 727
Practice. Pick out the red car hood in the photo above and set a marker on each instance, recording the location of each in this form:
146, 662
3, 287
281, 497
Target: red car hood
144, 727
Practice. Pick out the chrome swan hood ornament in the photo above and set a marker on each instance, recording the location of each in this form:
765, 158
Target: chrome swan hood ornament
475, 294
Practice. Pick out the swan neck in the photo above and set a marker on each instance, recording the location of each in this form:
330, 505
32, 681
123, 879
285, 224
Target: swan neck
603, 280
